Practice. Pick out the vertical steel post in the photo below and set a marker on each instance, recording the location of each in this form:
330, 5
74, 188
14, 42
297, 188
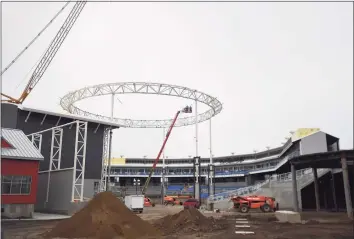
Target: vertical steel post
110, 147
211, 176
196, 128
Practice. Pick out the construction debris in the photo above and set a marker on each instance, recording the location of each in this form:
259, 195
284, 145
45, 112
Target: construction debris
104, 217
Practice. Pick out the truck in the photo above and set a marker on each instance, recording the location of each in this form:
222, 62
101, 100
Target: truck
135, 203
264, 203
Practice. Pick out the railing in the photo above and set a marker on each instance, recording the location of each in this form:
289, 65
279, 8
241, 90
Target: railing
238, 192
307, 172
285, 177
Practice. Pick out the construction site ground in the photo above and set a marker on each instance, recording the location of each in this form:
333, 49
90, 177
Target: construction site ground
315, 225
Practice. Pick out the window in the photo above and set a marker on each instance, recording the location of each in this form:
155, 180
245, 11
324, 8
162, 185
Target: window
16, 184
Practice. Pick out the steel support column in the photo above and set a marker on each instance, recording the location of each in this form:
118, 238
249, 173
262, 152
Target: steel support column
196, 128
104, 174
348, 200
55, 149
55, 155
317, 193
211, 174
196, 166
79, 162
108, 186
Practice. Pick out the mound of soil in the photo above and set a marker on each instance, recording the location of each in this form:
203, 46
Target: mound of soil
188, 220
104, 217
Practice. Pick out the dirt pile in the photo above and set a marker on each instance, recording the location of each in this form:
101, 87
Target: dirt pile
188, 220
104, 217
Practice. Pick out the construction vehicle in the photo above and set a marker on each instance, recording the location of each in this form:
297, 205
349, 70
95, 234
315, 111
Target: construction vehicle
148, 202
49, 54
264, 203
135, 203
170, 200
187, 109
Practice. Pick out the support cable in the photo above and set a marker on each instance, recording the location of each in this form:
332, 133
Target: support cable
34, 39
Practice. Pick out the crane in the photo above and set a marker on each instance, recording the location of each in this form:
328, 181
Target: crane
49, 54
187, 109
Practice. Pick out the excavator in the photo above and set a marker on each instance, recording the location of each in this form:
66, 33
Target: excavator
187, 109
49, 53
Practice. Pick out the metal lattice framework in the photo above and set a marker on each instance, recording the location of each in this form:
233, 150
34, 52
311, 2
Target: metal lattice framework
37, 141
103, 182
69, 100
55, 155
55, 148
79, 161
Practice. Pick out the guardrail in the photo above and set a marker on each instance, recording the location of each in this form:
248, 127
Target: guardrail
238, 192
285, 177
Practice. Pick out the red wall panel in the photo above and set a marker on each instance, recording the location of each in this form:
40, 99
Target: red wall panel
23, 168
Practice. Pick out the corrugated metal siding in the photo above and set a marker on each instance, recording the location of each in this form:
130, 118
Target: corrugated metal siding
23, 147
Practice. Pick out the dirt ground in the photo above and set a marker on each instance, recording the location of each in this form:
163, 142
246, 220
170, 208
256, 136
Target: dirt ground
264, 226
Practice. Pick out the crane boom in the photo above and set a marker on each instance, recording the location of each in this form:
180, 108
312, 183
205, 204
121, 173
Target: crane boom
50, 52
160, 152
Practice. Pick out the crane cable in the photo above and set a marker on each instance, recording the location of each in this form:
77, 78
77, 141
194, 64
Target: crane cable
46, 26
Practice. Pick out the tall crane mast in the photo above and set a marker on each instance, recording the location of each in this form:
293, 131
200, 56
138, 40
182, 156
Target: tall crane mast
50, 53
187, 109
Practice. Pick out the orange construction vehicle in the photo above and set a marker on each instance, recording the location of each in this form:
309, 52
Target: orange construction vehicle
148, 202
264, 203
171, 200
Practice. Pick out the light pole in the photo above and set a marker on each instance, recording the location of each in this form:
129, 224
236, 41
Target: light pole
136, 184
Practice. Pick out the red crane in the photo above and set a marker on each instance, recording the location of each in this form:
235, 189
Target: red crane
187, 109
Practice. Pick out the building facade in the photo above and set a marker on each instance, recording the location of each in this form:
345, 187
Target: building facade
19, 174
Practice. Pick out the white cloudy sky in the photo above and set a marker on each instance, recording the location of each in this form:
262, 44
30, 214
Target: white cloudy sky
275, 66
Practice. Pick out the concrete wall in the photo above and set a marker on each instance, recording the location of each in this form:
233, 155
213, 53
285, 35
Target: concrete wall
89, 187
17, 210
315, 143
59, 196
60, 190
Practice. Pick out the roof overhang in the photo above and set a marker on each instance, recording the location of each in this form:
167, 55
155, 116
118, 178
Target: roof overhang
323, 160
66, 115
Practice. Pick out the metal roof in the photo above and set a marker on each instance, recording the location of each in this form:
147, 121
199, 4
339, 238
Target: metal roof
66, 115
23, 147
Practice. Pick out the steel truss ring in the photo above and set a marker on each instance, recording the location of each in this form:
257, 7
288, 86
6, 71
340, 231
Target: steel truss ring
69, 100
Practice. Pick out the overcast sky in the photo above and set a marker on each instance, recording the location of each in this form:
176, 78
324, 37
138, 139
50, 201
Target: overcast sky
275, 67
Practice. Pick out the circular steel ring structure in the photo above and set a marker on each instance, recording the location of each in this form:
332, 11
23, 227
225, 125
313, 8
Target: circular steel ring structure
69, 100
